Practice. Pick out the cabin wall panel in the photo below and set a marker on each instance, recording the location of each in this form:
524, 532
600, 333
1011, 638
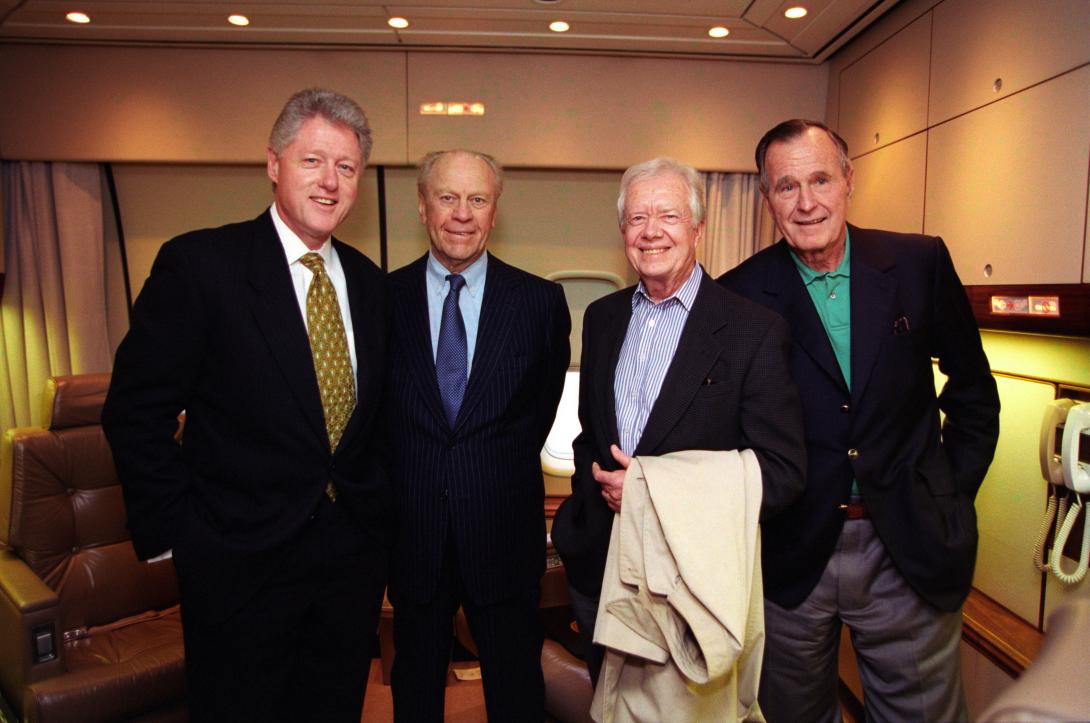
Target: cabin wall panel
1012, 499
600, 112
547, 221
1017, 42
889, 186
883, 96
998, 183
159, 202
180, 105
215, 105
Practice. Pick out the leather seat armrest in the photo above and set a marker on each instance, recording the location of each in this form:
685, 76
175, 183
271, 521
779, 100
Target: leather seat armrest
22, 589
27, 607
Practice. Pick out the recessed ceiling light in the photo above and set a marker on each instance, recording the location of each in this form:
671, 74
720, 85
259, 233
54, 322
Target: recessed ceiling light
795, 12
81, 18
718, 32
239, 20
399, 23
559, 26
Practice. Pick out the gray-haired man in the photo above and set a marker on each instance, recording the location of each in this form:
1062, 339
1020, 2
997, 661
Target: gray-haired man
271, 335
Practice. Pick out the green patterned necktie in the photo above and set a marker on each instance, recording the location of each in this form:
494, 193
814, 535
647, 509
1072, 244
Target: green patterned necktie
329, 347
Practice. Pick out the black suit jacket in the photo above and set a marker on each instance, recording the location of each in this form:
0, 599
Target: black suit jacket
727, 388
217, 332
918, 480
480, 483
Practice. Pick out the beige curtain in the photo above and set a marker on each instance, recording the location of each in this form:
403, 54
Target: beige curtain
737, 223
61, 281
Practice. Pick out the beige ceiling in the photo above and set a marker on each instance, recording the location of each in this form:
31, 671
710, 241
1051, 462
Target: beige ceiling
758, 28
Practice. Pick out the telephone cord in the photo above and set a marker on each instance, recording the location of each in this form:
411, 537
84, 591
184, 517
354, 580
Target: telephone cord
1061, 540
1046, 524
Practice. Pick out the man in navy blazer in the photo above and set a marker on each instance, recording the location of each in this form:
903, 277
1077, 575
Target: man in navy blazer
673, 363
478, 354
884, 537
280, 534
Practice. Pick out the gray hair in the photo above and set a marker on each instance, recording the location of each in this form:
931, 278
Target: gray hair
789, 130
327, 104
663, 166
427, 163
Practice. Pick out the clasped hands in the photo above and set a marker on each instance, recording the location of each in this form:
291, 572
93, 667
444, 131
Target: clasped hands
612, 482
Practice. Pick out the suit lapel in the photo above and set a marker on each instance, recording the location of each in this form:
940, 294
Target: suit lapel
616, 326
412, 326
873, 294
697, 350
363, 323
276, 311
796, 306
497, 317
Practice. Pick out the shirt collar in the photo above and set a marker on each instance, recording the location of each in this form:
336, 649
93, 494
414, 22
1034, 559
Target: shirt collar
842, 270
294, 248
685, 295
474, 274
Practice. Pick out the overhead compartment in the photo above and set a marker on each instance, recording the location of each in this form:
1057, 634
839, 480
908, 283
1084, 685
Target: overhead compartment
883, 95
889, 187
1006, 185
980, 54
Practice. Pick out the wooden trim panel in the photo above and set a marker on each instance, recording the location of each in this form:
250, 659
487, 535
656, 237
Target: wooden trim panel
1001, 636
552, 503
1074, 307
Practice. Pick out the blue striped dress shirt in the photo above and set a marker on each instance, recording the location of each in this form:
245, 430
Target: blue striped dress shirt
649, 346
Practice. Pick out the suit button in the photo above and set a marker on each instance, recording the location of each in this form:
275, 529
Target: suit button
845, 408
443, 495
853, 453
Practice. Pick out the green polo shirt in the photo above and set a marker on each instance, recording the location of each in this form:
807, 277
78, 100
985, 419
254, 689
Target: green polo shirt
831, 294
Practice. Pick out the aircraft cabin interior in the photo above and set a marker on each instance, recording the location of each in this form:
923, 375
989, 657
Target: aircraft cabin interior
965, 119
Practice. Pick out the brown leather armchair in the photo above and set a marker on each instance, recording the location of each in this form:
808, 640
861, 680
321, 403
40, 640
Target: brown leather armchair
89, 633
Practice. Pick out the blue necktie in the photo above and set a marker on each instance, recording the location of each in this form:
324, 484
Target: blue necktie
451, 362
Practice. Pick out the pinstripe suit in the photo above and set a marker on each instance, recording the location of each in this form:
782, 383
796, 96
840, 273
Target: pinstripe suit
470, 499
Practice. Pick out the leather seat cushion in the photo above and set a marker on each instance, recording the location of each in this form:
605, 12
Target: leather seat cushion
115, 672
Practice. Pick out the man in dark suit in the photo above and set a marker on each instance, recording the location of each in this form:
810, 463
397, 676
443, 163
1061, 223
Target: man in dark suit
478, 354
674, 363
884, 537
271, 336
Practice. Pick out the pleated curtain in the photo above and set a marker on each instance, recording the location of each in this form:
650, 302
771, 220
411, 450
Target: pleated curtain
63, 307
737, 224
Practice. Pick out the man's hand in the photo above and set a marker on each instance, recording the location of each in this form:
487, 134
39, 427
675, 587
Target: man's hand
612, 482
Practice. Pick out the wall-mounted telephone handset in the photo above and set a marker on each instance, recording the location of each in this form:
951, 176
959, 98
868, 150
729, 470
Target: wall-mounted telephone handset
1075, 455
1052, 425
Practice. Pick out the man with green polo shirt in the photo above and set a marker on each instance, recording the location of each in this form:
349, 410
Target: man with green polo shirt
884, 536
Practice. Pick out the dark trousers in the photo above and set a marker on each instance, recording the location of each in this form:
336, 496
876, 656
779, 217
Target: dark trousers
300, 648
585, 609
508, 635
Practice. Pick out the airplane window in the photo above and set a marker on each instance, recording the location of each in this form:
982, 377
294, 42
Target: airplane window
557, 458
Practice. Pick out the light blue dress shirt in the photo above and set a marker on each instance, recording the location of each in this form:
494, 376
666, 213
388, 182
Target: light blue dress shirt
469, 301
649, 346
